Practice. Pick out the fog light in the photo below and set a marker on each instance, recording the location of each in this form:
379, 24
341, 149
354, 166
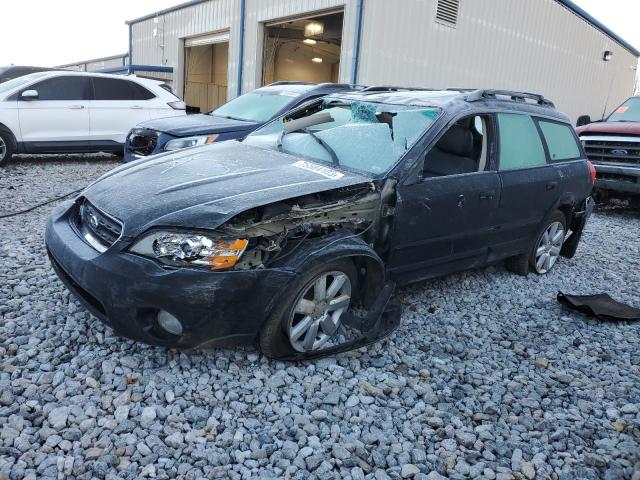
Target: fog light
169, 323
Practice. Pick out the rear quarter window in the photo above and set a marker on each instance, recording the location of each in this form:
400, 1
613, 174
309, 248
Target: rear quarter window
561, 141
116, 89
520, 143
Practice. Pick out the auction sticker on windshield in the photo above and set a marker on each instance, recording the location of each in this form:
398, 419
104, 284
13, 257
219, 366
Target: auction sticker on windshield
319, 169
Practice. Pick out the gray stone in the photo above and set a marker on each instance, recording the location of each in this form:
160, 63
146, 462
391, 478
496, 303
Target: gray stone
409, 470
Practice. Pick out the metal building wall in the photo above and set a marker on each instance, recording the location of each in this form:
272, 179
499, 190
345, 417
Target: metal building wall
537, 46
174, 27
529, 45
97, 64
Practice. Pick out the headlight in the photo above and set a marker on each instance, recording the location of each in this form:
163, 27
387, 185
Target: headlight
191, 249
187, 142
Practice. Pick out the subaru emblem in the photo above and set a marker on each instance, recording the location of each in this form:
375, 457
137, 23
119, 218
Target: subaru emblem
93, 220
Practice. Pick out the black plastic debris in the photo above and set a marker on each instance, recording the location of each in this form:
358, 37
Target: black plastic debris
600, 305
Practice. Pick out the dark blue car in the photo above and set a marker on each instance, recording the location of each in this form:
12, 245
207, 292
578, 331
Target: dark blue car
233, 120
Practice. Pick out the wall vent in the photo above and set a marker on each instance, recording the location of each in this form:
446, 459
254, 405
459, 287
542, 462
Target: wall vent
447, 12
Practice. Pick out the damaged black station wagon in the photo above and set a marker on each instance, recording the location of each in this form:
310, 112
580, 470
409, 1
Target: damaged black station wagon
294, 239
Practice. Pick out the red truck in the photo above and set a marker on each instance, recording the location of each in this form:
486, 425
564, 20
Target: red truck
613, 146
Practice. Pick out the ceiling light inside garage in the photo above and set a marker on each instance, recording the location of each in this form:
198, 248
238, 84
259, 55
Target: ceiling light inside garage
313, 29
316, 60
309, 41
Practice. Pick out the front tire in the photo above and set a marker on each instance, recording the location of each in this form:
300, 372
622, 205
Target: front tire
309, 315
6, 147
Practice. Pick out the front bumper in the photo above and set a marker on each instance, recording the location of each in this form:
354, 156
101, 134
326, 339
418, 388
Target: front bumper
618, 178
127, 291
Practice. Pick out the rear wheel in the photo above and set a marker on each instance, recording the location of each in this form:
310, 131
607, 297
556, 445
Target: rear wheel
6, 147
546, 249
309, 317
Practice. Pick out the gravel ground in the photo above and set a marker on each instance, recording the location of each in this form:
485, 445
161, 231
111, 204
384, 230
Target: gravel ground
488, 377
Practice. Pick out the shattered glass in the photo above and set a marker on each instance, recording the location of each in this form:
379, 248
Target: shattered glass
364, 136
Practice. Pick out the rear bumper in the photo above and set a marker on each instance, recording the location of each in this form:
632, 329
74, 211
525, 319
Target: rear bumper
578, 223
127, 291
618, 178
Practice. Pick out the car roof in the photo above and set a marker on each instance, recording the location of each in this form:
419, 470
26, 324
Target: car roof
457, 100
57, 73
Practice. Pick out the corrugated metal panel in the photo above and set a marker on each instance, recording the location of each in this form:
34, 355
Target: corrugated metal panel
538, 46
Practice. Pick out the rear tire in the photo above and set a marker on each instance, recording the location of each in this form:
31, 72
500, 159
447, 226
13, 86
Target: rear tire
284, 332
6, 147
545, 251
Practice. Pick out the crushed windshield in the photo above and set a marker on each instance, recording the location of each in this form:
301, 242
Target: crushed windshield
629, 111
365, 136
258, 106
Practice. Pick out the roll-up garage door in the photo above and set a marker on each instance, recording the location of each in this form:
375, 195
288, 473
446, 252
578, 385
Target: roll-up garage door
208, 39
206, 62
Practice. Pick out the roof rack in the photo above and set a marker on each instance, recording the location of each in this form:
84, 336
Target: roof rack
511, 95
340, 85
393, 88
286, 83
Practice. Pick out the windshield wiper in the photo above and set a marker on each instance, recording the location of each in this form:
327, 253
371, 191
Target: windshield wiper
229, 117
325, 145
322, 143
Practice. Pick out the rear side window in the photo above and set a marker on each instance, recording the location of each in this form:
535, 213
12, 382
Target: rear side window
520, 142
561, 141
62, 88
115, 89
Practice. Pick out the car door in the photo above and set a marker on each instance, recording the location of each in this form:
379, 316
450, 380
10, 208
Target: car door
58, 117
530, 186
567, 157
445, 220
117, 106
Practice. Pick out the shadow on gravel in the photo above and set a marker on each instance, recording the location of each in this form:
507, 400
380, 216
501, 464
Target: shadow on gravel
618, 207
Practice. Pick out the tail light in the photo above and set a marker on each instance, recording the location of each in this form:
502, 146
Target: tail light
592, 172
177, 105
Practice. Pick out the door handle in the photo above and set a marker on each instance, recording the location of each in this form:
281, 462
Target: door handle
552, 185
461, 201
76, 107
488, 195
136, 107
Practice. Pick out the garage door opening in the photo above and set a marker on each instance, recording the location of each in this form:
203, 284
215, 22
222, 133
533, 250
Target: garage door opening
304, 50
206, 67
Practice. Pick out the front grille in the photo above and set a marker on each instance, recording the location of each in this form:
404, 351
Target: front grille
613, 150
95, 225
142, 142
617, 177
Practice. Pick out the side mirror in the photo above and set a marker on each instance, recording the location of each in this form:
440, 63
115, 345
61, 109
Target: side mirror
583, 120
28, 95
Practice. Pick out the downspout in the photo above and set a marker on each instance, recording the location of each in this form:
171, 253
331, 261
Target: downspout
241, 49
356, 45
130, 49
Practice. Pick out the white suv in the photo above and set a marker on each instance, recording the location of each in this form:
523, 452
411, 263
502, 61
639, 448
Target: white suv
65, 112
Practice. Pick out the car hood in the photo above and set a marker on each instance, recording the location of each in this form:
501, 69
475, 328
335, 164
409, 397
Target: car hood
203, 187
201, 124
609, 128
